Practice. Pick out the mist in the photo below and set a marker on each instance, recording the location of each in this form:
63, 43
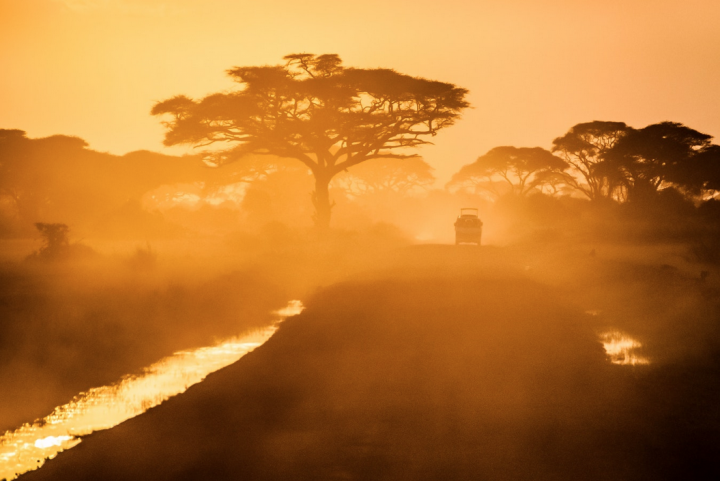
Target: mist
419, 356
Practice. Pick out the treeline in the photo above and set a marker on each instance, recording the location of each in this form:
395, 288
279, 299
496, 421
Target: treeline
59, 179
601, 180
603, 161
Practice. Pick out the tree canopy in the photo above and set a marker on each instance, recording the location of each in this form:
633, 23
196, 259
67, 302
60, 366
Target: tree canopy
315, 110
59, 178
399, 176
517, 170
583, 147
661, 155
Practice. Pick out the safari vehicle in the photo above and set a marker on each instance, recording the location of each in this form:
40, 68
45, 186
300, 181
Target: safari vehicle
468, 227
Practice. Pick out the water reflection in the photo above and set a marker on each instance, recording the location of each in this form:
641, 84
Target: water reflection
28, 447
621, 349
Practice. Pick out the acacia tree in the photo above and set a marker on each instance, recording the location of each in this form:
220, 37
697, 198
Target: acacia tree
401, 176
512, 169
662, 155
555, 182
707, 171
318, 112
39, 177
55, 240
583, 147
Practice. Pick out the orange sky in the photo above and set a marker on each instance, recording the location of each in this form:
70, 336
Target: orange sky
94, 68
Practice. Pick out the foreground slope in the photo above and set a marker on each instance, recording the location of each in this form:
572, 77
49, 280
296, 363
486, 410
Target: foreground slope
470, 376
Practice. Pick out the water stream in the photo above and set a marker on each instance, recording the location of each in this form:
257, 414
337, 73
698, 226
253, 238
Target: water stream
28, 447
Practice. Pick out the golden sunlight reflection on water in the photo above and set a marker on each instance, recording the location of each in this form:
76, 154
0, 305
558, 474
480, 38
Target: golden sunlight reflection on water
29, 446
621, 348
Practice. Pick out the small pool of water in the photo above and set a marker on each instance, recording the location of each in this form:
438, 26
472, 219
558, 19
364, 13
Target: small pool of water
622, 349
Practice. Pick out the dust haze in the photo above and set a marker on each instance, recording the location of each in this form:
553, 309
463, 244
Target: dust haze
418, 356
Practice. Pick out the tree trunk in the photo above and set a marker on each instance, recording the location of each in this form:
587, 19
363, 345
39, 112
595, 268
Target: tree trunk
321, 201
642, 190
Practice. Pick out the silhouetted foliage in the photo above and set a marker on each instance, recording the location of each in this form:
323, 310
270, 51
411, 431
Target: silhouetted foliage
583, 147
554, 182
401, 176
647, 160
56, 244
55, 239
318, 112
30, 173
706, 247
144, 259
702, 178
509, 170
59, 177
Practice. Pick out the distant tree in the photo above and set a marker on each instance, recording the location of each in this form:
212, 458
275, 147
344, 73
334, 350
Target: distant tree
707, 171
55, 240
273, 197
12, 157
37, 175
59, 177
661, 155
555, 182
582, 147
318, 112
401, 176
56, 244
509, 170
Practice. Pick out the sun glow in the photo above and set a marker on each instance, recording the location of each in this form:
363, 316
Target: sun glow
28, 447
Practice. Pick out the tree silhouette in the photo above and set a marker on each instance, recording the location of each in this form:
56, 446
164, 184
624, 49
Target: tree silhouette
666, 154
60, 177
401, 176
318, 112
37, 175
707, 170
55, 240
583, 147
509, 169
555, 182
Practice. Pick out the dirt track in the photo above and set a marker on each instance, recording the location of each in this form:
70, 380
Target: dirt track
459, 367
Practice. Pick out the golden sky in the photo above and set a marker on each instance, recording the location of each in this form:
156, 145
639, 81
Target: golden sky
94, 68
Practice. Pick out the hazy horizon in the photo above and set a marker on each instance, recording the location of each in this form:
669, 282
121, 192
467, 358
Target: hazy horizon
94, 68
481, 240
